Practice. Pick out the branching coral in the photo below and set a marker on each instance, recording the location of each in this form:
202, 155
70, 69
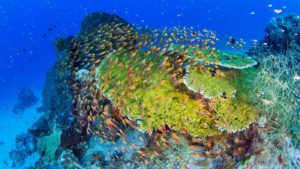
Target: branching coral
278, 90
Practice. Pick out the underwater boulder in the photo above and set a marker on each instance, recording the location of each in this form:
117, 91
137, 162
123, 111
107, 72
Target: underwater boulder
40, 127
62, 44
47, 145
25, 147
66, 160
92, 21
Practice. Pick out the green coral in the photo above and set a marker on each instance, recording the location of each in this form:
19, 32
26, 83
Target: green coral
224, 59
48, 144
232, 60
152, 99
143, 89
234, 115
232, 110
176, 109
208, 85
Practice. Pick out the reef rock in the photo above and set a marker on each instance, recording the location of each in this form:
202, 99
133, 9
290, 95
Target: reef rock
47, 145
40, 127
107, 151
94, 20
25, 147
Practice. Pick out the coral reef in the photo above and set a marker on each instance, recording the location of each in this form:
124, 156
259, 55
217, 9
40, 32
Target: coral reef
277, 88
279, 155
26, 99
211, 57
40, 127
62, 44
281, 34
234, 60
125, 97
149, 97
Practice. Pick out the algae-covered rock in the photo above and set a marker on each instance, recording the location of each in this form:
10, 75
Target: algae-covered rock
48, 145
94, 20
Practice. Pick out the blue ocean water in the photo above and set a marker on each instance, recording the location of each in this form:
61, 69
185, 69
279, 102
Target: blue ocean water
28, 30
26, 54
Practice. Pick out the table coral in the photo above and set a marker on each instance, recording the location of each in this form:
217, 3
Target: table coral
150, 97
142, 87
234, 115
208, 85
223, 59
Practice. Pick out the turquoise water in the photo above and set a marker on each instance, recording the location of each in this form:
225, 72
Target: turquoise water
30, 30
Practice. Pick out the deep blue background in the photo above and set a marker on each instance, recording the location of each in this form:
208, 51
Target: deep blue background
25, 55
